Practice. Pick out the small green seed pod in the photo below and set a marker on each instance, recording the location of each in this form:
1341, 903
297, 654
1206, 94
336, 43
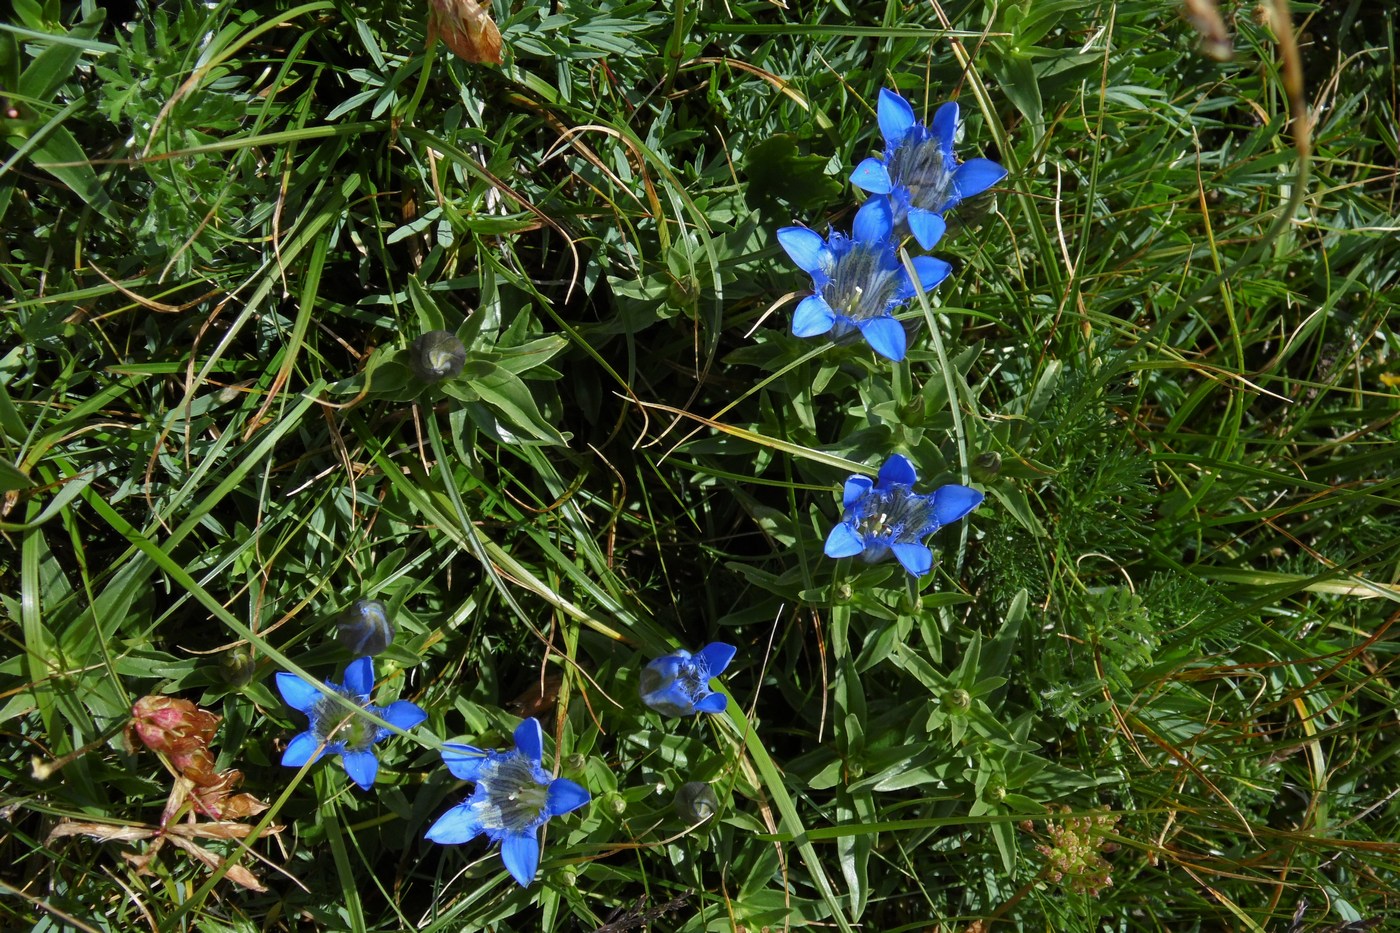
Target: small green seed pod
696, 802
437, 355
364, 628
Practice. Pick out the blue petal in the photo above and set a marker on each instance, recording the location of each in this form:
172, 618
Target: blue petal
855, 490
301, 749
872, 175
299, 694
521, 854
529, 739
668, 666
975, 176
916, 558
874, 222
456, 826
670, 700
895, 117
717, 656
403, 714
806, 247
952, 502
362, 767
359, 677
945, 128
564, 796
712, 703
897, 470
843, 542
464, 761
886, 336
931, 270
927, 227
874, 553
813, 317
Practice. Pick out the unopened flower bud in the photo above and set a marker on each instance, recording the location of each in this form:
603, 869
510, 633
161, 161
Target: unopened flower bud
364, 628
986, 466
683, 292
237, 666
696, 802
437, 355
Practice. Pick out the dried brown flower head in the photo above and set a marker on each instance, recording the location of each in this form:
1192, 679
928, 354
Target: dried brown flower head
467, 28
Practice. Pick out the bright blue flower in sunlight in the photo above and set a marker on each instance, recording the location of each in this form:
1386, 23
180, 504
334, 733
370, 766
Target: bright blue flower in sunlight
334, 730
679, 684
514, 797
858, 280
918, 170
888, 515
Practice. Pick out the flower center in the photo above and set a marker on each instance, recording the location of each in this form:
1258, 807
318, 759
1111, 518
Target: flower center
693, 678
892, 516
516, 793
861, 287
328, 724
920, 168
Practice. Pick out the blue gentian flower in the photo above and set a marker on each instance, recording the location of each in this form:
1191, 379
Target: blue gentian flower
918, 170
514, 797
334, 730
858, 281
679, 684
888, 515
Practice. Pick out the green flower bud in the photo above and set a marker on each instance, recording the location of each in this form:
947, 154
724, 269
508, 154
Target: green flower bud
683, 292
986, 466
237, 666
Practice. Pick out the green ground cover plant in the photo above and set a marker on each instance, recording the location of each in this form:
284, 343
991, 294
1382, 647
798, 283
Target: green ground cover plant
688, 476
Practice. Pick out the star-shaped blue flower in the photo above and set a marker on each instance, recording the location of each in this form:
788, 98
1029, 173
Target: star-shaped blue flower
918, 171
514, 797
888, 515
858, 281
334, 730
679, 683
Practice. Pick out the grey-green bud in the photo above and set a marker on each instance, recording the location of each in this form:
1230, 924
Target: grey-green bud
437, 355
696, 802
364, 627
